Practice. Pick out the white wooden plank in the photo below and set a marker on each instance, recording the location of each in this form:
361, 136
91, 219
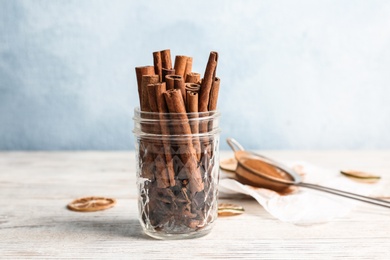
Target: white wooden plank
34, 223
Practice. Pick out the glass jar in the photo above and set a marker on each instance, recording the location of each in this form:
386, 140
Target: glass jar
177, 172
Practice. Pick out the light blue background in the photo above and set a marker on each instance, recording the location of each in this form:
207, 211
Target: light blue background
295, 74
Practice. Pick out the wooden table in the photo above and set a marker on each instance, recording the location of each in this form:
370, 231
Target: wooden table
34, 222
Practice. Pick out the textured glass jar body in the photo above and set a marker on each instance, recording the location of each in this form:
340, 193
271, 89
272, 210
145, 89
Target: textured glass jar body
177, 173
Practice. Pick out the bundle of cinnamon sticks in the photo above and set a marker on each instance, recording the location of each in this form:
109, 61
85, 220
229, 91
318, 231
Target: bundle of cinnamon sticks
199, 95
178, 190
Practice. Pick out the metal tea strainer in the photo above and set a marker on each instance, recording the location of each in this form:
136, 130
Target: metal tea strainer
260, 171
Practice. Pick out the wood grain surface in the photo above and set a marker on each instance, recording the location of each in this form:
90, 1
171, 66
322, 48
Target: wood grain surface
35, 188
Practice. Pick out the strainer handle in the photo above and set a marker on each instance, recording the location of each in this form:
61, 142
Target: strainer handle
350, 195
236, 146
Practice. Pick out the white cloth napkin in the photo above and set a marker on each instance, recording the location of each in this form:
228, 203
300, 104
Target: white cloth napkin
305, 206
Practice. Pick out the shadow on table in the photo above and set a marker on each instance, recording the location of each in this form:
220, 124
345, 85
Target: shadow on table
107, 228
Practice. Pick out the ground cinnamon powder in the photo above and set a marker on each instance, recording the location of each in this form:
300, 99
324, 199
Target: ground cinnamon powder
269, 170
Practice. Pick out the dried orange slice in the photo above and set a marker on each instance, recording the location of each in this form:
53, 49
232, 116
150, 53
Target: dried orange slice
228, 164
227, 209
88, 204
360, 176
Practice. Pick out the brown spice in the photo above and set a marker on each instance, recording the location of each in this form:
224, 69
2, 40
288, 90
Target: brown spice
157, 64
252, 172
166, 61
146, 80
176, 82
207, 82
266, 169
175, 104
193, 77
141, 71
158, 105
165, 73
192, 87
192, 107
188, 67
180, 64
214, 94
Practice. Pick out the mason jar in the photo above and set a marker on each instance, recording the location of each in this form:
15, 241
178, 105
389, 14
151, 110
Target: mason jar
177, 170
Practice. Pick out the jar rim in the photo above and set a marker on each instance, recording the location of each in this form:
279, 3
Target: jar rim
152, 118
193, 116
140, 133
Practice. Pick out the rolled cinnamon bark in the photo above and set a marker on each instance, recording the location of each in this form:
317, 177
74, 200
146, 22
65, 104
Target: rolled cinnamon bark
152, 97
188, 67
193, 87
165, 175
179, 84
214, 94
205, 89
188, 156
146, 80
157, 91
166, 72
147, 168
157, 64
192, 104
141, 71
176, 82
193, 77
213, 100
208, 79
166, 60
170, 81
192, 107
180, 65
204, 98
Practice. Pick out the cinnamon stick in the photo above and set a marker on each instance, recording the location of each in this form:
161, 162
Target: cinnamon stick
141, 71
176, 82
147, 168
192, 107
166, 72
156, 93
188, 156
193, 87
158, 105
166, 59
157, 64
170, 80
213, 100
204, 98
180, 65
214, 94
208, 79
188, 67
193, 77
146, 80
192, 104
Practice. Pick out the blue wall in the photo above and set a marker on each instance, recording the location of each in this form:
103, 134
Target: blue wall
295, 74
